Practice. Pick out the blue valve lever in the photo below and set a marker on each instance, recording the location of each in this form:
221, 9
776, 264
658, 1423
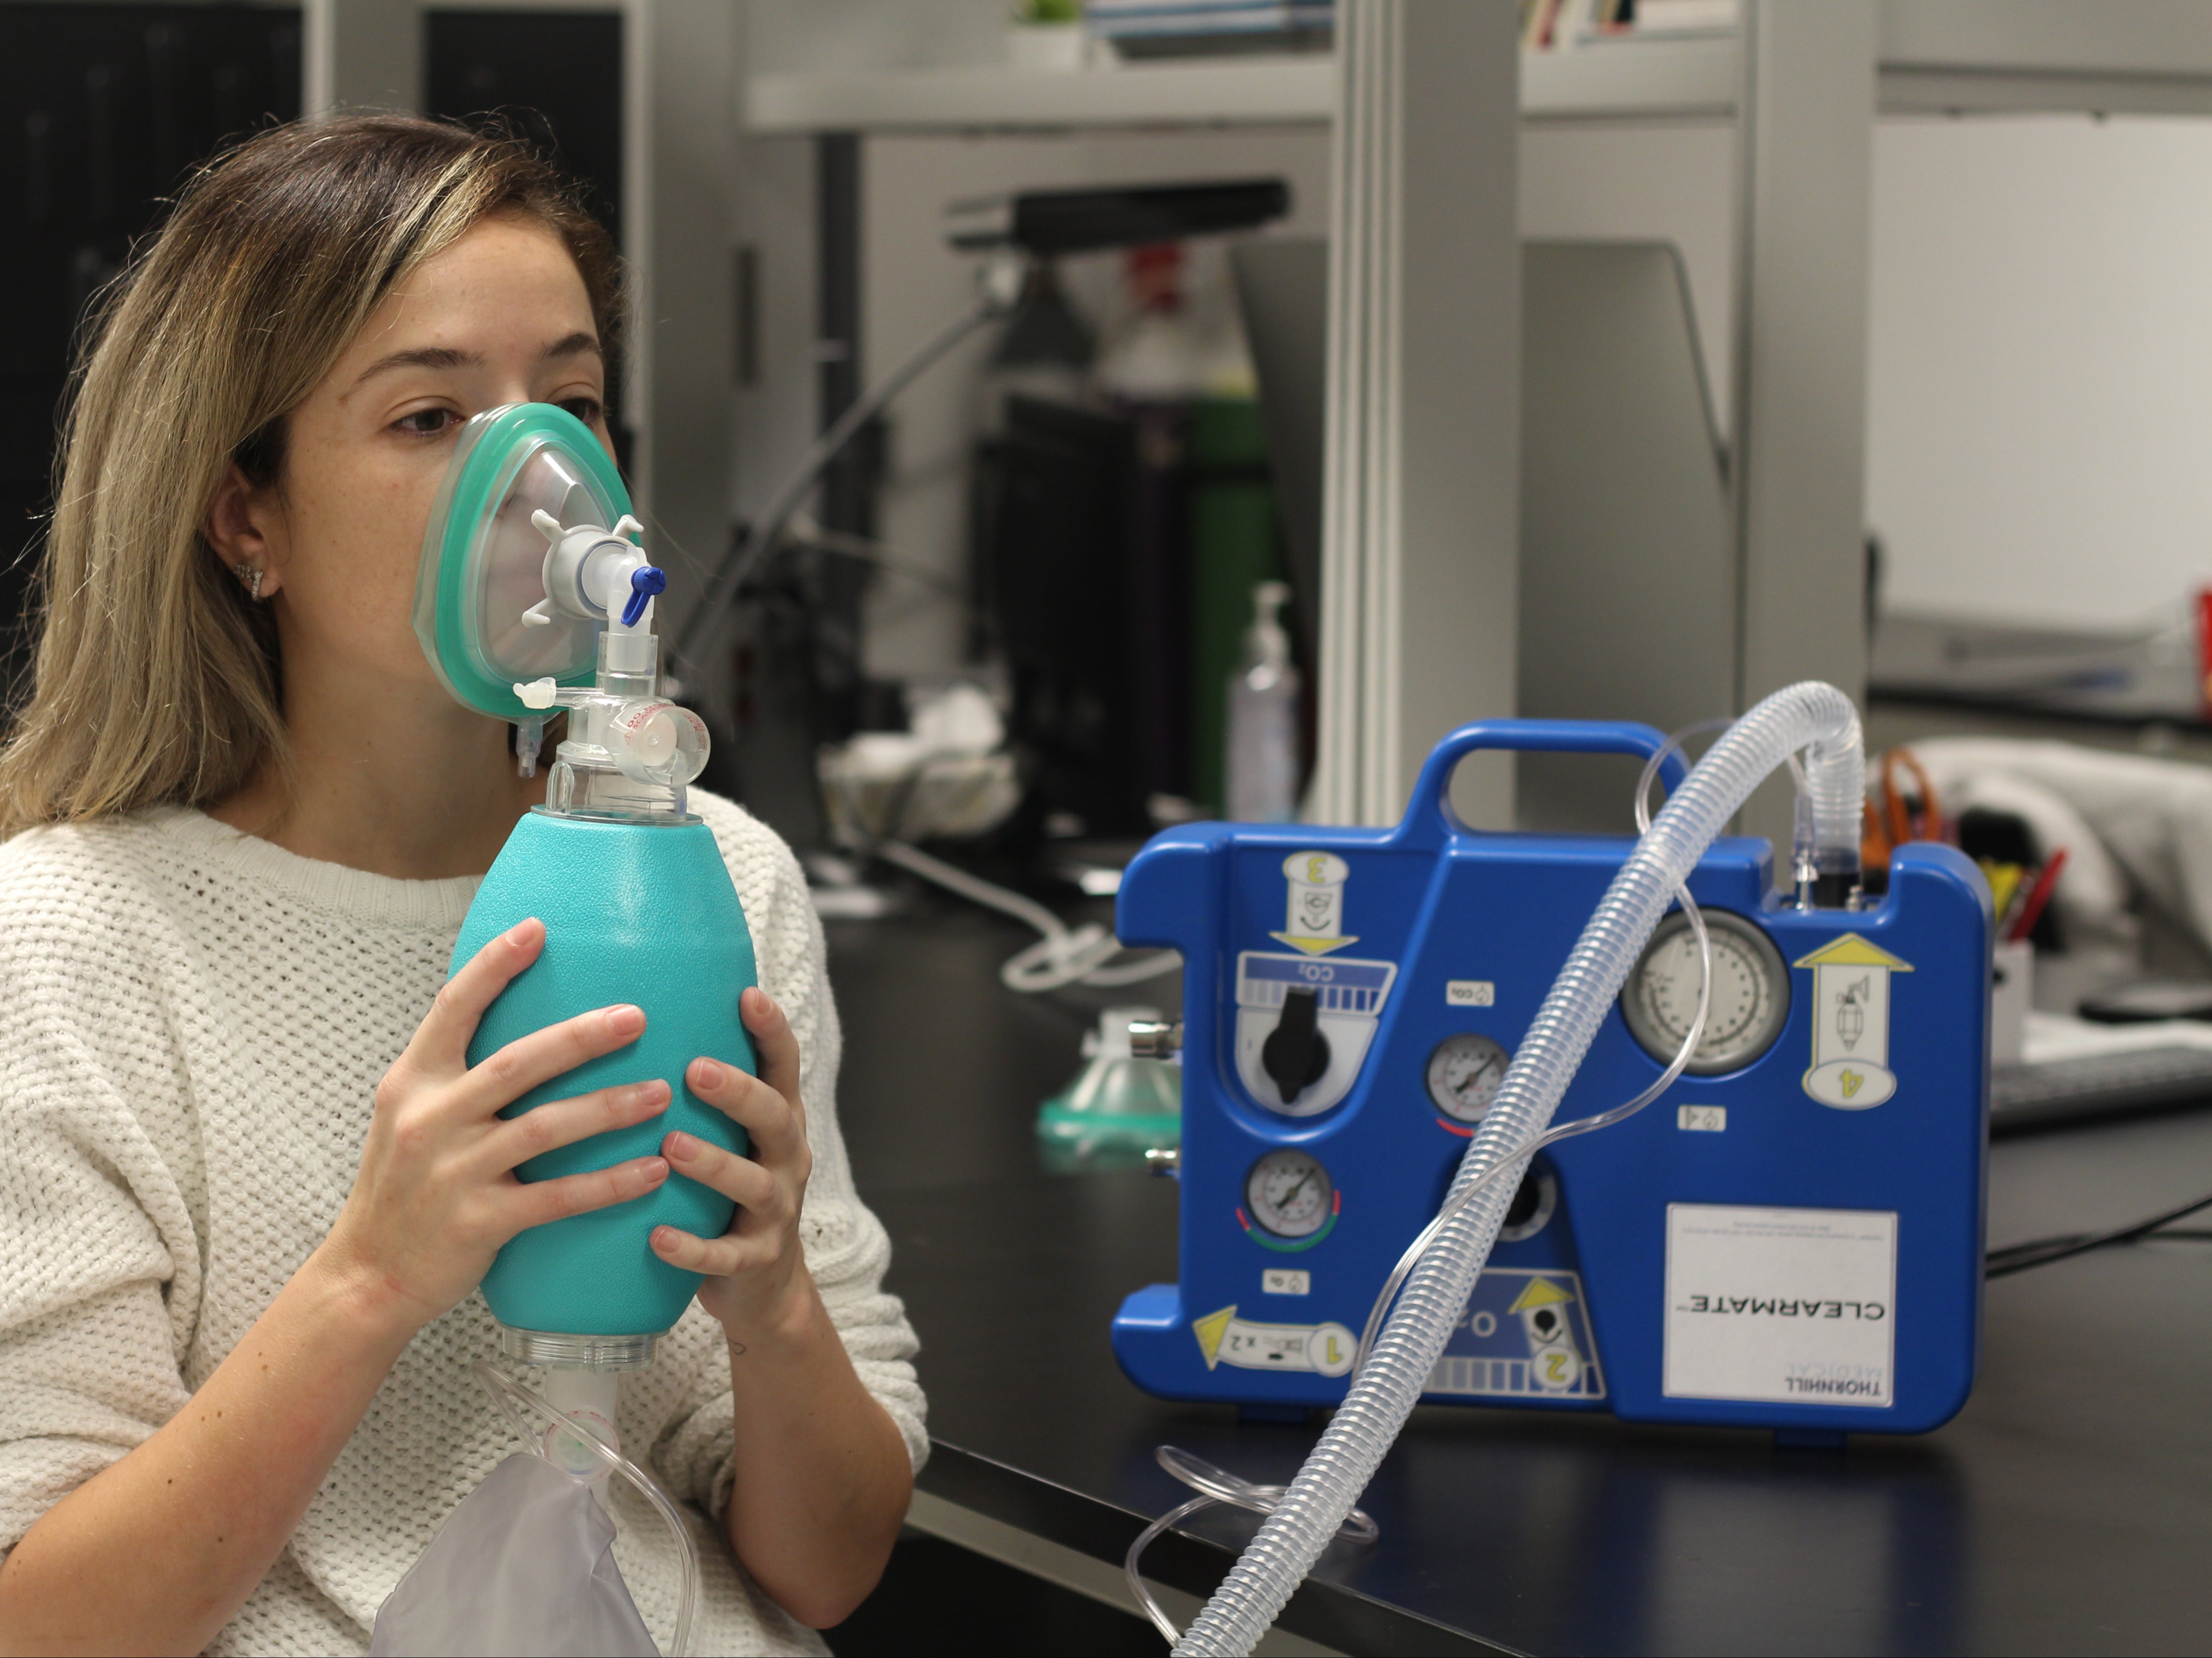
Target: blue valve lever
643, 586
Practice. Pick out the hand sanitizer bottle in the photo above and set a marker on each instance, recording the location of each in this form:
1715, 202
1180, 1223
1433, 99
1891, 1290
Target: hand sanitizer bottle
1263, 717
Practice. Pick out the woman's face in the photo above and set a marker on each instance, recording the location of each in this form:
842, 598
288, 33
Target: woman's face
500, 317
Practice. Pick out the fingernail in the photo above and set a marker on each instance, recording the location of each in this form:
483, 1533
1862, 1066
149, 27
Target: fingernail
655, 1170
626, 1020
708, 1073
650, 1097
519, 933
681, 1146
663, 1237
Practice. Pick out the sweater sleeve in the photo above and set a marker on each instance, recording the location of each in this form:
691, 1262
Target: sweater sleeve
99, 1258
847, 1248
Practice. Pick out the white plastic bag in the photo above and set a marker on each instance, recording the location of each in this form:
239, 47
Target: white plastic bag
525, 1565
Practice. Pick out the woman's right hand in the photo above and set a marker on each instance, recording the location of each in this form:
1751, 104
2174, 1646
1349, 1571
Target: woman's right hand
437, 1193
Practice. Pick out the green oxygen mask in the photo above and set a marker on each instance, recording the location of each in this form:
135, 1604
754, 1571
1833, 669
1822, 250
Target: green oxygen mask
533, 597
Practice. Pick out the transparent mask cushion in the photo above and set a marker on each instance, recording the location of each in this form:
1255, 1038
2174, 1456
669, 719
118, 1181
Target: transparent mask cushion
483, 561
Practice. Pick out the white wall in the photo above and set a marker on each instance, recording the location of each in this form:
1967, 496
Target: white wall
2039, 411
2039, 415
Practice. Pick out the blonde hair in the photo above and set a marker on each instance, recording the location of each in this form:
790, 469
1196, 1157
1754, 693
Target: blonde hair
156, 679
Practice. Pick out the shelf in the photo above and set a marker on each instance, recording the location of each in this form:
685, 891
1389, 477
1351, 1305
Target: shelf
1267, 92
1608, 81
1633, 80
1624, 81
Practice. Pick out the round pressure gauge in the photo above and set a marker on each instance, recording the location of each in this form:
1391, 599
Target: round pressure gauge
1750, 994
1464, 1074
1289, 1193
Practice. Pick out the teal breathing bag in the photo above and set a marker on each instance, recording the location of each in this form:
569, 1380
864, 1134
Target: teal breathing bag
533, 598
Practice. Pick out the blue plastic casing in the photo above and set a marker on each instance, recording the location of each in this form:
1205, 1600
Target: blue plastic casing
1434, 930
642, 913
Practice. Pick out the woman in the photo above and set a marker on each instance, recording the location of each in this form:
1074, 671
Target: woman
247, 1187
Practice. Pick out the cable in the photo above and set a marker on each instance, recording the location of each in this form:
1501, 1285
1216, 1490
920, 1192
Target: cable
2041, 1252
1213, 1485
1063, 955
1420, 1246
1519, 1159
997, 289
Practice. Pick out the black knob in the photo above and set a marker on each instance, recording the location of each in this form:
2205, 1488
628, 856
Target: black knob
1526, 1198
1296, 1053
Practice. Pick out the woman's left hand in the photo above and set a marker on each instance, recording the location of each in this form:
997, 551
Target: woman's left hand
757, 1279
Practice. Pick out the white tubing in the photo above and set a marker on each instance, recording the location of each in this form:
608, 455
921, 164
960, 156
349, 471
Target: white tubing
1064, 956
1383, 1393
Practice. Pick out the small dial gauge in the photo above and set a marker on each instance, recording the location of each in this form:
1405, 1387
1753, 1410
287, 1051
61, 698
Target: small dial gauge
1464, 1074
1289, 1193
1750, 994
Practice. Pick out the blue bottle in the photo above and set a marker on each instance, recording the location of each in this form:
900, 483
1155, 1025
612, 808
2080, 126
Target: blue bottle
526, 605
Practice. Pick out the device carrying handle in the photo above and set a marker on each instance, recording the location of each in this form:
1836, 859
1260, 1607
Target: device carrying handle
1430, 818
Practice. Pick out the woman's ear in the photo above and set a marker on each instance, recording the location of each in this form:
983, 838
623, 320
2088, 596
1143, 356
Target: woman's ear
245, 527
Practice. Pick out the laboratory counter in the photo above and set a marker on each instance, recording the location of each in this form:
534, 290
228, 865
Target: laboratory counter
2067, 1508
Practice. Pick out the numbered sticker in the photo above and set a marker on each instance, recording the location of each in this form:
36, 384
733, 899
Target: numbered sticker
1226, 1339
1314, 918
1851, 1024
1526, 1334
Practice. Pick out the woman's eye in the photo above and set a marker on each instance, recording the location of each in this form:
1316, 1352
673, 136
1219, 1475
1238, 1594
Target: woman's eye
585, 410
427, 423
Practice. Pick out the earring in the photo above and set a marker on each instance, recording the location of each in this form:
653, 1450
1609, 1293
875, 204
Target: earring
250, 575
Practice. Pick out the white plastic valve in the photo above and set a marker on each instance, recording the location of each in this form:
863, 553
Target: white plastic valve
587, 571
655, 741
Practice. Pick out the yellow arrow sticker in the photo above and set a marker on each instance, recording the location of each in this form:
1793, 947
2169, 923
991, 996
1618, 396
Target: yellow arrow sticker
1209, 1331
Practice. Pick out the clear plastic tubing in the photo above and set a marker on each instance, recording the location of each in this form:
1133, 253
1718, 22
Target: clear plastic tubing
1812, 716
575, 1441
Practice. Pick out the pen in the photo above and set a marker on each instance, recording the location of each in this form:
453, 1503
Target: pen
2039, 895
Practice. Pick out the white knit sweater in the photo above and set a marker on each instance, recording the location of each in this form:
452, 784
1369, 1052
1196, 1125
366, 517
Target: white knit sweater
193, 1022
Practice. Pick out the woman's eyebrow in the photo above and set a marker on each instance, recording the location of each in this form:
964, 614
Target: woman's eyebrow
425, 356
444, 356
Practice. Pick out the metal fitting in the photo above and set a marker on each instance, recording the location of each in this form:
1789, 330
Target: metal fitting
1154, 1039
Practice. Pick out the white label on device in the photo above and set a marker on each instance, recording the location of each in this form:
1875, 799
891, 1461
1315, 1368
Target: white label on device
1470, 992
1794, 1306
1286, 1281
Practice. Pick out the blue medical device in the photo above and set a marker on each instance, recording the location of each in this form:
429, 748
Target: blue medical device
1790, 1238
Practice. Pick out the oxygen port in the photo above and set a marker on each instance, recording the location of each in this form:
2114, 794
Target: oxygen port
1296, 1053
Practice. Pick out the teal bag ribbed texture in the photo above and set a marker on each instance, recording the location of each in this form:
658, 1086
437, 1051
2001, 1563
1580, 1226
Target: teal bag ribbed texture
642, 913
